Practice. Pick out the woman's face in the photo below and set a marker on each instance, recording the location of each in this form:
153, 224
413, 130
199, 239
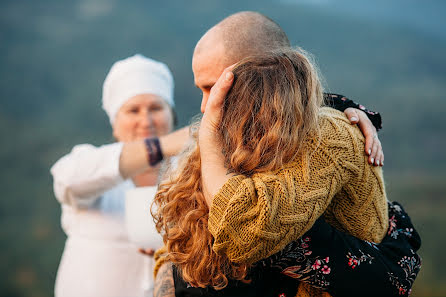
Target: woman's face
143, 116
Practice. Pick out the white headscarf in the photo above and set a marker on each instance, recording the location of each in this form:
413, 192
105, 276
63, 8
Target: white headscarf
133, 76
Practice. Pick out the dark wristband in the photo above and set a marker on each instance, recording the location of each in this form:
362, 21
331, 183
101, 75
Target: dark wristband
154, 153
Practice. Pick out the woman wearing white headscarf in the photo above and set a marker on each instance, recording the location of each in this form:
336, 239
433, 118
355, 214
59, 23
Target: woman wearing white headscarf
90, 183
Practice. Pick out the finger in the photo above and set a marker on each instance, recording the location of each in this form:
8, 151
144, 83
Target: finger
369, 140
375, 150
379, 157
352, 115
368, 130
220, 89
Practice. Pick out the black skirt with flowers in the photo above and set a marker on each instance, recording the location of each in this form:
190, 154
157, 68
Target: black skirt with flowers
346, 266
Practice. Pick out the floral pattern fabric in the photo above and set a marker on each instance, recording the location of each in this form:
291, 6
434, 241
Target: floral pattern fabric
351, 266
334, 261
312, 270
341, 103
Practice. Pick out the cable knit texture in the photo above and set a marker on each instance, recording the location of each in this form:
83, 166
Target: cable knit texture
252, 218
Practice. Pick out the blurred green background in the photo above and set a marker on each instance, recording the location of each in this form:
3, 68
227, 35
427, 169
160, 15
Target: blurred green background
54, 55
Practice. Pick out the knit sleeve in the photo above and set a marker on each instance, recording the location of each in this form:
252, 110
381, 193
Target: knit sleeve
254, 217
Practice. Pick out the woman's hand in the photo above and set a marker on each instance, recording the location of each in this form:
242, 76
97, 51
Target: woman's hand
213, 105
147, 252
373, 146
213, 172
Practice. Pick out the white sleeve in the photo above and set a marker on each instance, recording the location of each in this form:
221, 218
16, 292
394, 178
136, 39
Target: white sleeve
84, 174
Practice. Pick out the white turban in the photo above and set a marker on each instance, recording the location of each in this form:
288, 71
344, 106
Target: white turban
133, 76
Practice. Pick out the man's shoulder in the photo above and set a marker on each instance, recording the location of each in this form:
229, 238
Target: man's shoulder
333, 116
334, 125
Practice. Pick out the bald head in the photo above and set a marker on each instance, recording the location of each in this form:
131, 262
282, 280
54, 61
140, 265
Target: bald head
236, 37
244, 34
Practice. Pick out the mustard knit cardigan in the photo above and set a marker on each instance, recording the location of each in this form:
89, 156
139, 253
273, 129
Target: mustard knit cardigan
252, 218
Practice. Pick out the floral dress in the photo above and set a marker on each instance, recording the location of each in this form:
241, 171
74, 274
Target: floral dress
343, 265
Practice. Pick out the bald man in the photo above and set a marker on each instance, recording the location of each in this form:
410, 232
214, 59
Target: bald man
248, 33
236, 37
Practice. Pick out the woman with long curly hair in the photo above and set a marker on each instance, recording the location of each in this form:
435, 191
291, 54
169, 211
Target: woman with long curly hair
262, 170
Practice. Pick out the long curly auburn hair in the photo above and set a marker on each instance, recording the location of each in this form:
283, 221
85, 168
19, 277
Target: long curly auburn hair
271, 108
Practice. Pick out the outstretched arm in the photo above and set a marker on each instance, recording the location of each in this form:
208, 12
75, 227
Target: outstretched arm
133, 159
84, 174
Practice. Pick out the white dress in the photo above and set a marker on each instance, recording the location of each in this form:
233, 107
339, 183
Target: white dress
98, 259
